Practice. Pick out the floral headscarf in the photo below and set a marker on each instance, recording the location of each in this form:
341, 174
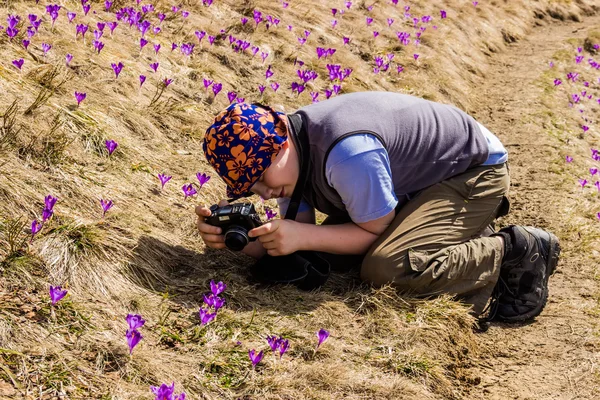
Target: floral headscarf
242, 143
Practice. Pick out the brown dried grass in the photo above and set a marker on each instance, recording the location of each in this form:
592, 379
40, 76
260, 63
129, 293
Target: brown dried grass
146, 257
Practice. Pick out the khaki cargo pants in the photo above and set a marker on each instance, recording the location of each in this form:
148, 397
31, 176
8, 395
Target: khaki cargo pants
435, 245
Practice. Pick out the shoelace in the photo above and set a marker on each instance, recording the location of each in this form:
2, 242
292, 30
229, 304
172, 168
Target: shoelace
491, 309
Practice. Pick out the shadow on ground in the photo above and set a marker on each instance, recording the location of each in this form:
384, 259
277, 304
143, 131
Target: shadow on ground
186, 274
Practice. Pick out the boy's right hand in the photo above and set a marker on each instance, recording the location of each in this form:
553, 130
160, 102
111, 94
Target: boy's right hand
210, 234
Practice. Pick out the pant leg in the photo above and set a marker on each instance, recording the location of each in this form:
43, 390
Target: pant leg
435, 245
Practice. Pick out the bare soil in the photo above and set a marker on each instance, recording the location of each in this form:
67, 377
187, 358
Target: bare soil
555, 357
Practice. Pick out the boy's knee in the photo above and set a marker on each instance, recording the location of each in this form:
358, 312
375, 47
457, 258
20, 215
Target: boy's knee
380, 268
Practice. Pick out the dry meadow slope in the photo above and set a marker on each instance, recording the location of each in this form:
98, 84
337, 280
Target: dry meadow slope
145, 257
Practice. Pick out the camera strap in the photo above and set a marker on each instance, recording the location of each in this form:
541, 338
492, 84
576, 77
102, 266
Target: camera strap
303, 146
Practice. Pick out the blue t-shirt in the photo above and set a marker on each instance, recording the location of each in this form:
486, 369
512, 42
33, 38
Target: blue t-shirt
368, 193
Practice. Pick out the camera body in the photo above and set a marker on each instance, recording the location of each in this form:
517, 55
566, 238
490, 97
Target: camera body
235, 220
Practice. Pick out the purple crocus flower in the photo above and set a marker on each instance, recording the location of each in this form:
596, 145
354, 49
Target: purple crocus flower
583, 182
135, 321
142, 79
269, 73
202, 178
13, 20
216, 88
107, 5
231, 96
143, 42
217, 288
244, 20
161, 17
261, 88
569, 159
214, 301
154, 66
80, 28
26, 43
86, 9
271, 213
78, 95
187, 49
200, 35
165, 392
11, 32
50, 201
133, 338
284, 345
593, 171
68, 59
46, 48
255, 358
188, 190
322, 335
112, 26
167, 82
46, 214
275, 86
71, 16
35, 227
111, 146
98, 45
106, 205
156, 48
205, 316
56, 294
18, 63
273, 342
117, 68
164, 179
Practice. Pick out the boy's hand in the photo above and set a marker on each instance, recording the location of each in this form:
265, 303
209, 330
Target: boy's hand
210, 234
279, 237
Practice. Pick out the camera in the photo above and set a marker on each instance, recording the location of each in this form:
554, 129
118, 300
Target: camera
235, 220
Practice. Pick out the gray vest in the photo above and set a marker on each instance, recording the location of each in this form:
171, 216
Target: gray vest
427, 142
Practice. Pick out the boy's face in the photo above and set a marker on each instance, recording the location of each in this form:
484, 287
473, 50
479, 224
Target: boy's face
279, 179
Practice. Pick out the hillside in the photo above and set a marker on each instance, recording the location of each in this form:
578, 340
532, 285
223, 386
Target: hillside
144, 256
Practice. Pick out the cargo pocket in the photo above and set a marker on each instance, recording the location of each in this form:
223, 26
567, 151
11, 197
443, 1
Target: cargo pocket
418, 260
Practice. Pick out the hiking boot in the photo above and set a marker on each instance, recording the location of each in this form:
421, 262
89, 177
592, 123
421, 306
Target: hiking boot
522, 289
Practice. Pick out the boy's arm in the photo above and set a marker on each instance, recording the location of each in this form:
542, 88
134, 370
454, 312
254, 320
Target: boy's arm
348, 238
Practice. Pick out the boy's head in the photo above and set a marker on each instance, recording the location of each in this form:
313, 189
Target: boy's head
243, 142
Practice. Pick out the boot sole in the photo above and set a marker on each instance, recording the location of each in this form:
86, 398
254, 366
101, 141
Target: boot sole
553, 256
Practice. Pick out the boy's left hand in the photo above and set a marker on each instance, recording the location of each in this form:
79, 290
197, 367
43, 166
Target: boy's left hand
279, 236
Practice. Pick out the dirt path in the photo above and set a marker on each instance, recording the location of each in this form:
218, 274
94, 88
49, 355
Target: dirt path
557, 356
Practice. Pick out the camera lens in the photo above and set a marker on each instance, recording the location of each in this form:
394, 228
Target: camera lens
236, 238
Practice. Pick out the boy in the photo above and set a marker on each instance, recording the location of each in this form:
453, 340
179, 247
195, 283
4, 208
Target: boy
410, 187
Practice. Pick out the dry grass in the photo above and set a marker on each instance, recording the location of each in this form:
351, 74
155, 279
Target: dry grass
145, 256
